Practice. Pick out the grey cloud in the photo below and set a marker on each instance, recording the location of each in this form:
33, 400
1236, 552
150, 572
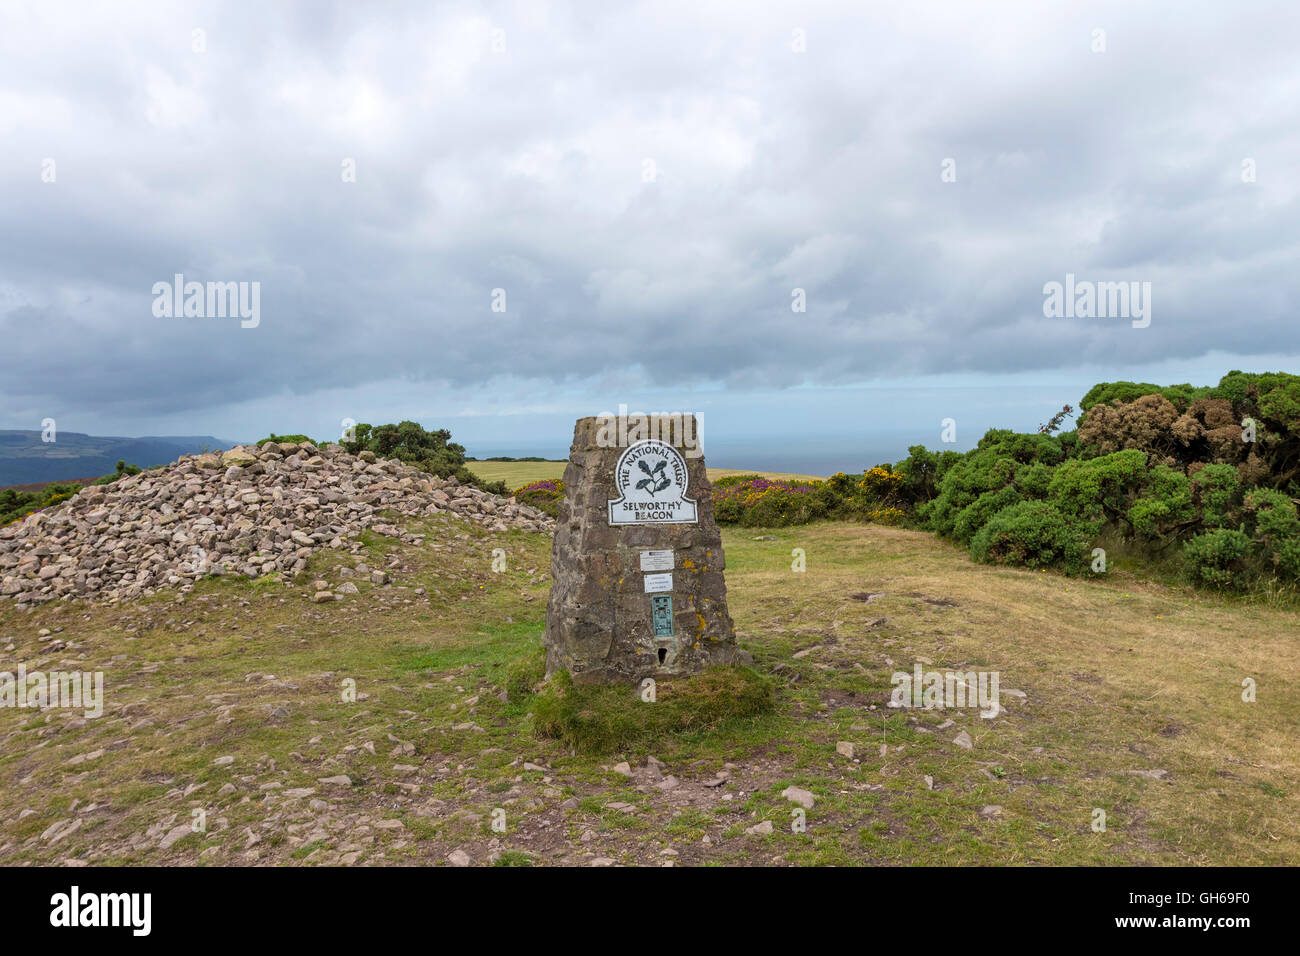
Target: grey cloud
522, 170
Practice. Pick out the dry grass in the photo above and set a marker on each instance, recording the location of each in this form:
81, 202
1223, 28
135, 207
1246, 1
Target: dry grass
519, 473
1119, 676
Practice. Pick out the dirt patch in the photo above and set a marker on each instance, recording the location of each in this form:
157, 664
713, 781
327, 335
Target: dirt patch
834, 697
933, 601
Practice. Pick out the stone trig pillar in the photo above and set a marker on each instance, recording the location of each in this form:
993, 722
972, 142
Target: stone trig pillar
636, 568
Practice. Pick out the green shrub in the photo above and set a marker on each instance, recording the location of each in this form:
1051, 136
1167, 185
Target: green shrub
1276, 530
1188, 426
123, 469
285, 440
1035, 480
922, 470
1164, 509
977, 514
1217, 559
1105, 393
1216, 492
430, 451
1002, 458
15, 505
1037, 534
1097, 489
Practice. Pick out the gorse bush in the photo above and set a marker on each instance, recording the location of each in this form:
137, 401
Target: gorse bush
1208, 473
1099, 489
1003, 469
16, 504
1275, 531
754, 501
1217, 559
1163, 507
1216, 494
922, 470
123, 469
1249, 420
285, 440
430, 451
1037, 534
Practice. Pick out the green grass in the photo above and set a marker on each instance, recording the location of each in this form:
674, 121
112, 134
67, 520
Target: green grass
1120, 674
516, 473
605, 720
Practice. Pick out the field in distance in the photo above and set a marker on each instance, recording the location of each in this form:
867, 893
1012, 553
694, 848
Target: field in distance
518, 473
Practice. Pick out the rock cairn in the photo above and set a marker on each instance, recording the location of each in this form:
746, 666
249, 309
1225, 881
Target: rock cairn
250, 511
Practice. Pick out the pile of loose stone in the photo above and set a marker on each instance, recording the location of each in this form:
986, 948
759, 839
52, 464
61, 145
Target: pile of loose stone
251, 511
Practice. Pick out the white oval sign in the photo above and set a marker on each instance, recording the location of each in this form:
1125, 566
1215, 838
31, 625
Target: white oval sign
651, 480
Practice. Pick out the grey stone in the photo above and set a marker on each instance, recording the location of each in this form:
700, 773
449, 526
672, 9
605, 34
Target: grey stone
1150, 774
598, 620
260, 514
800, 796
173, 835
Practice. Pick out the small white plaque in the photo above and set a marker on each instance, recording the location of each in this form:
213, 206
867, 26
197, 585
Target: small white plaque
656, 560
658, 582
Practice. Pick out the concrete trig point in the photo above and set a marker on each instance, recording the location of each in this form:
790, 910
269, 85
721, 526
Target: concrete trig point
637, 587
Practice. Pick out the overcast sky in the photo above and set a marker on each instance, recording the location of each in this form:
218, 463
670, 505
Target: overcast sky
648, 184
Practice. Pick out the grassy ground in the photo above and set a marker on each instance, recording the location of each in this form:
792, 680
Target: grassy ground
518, 473
228, 708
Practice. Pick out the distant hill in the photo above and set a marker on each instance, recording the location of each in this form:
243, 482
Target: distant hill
25, 459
